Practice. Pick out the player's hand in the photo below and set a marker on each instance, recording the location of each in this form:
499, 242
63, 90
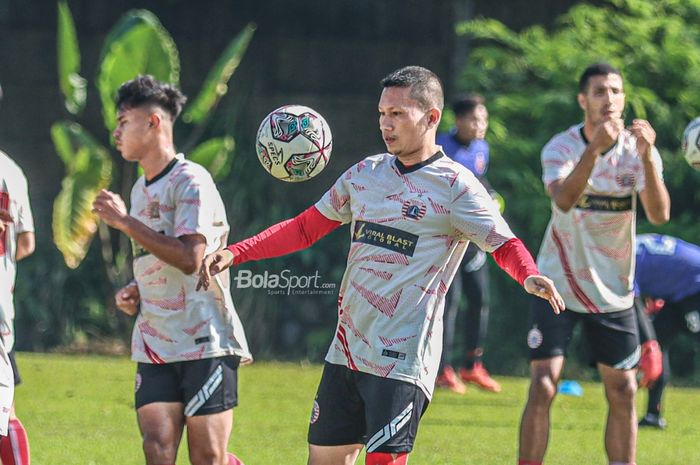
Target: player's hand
646, 136
651, 364
5, 218
213, 264
543, 287
128, 298
606, 133
110, 208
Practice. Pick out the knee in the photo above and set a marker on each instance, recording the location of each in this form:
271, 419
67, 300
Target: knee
159, 449
543, 389
206, 456
622, 393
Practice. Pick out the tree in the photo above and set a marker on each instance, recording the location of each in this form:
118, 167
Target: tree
530, 80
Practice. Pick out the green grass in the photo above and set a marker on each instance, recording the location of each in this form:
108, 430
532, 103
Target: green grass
78, 410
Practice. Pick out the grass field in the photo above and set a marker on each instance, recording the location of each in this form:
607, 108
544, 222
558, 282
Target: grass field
78, 410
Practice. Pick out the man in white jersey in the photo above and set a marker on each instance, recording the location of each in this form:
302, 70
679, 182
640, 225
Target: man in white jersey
16, 243
412, 211
188, 344
593, 172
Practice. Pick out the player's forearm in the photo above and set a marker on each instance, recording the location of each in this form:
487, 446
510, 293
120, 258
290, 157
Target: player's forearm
171, 250
655, 199
567, 192
26, 245
284, 238
514, 258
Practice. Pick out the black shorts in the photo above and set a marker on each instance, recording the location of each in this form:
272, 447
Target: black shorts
205, 386
352, 407
613, 338
15, 370
678, 317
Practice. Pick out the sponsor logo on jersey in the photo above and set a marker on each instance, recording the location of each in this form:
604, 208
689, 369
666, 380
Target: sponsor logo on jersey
202, 340
534, 338
394, 354
413, 209
315, 413
604, 203
386, 237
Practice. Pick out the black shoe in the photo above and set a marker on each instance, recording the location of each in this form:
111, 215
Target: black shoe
653, 420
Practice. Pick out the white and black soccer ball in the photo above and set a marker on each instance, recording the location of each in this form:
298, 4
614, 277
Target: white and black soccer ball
294, 143
691, 143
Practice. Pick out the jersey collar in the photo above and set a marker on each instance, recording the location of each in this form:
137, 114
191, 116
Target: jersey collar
165, 171
403, 169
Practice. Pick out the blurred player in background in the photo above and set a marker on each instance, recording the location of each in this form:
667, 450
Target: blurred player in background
465, 144
413, 211
188, 344
593, 172
667, 277
16, 243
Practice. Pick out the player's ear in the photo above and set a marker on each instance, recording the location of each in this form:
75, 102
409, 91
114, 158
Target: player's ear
433, 117
581, 100
154, 120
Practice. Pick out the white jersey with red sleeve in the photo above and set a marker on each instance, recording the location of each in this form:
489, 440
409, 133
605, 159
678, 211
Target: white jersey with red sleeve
589, 251
409, 230
14, 197
175, 322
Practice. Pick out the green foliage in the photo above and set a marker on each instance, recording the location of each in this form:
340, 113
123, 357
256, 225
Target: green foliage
73, 86
137, 44
89, 170
215, 86
215, 154
92, 421
530, 80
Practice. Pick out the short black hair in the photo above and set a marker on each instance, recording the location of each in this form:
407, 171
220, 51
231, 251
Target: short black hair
145, 90
465, 104
596, 69
426, 87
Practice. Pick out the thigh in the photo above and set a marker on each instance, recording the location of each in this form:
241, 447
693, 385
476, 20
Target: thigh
210, 385
208, 435
393, 410
162, 423
614, 338
338, 413
549, 333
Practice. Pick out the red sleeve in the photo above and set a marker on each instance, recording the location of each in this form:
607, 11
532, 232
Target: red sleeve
514, 258
284, 238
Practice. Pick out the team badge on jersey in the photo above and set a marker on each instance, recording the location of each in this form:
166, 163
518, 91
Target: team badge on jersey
534, 338
625, 179
413, 209
153, 209
315, 413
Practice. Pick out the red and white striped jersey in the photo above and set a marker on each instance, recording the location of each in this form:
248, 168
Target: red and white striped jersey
589, 251
14, 197
175, 322
410, 227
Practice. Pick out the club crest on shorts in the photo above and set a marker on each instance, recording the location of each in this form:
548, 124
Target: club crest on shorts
413, 209
315, 413
137, 382
534, 338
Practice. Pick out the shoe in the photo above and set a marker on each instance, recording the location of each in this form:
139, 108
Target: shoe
233, 460
448, 379
479, 376
653, 420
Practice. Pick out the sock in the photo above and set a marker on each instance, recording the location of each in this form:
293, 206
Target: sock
384, 458
530, 462
233, 460
14, 448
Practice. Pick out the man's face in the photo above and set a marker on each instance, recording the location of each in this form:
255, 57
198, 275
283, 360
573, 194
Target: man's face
473, 125
402, 122
604, 98
132, 134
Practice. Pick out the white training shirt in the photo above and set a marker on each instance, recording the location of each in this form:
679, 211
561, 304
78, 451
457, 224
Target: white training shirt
409, 230
175, 322
14, 196
589, 251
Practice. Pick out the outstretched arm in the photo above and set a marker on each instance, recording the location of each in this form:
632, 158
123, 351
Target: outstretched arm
514, 258
280, 239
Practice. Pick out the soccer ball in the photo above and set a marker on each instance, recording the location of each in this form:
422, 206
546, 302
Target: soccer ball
294, 143
691, 143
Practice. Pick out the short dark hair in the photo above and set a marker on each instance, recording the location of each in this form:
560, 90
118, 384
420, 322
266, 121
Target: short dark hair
596, 69
145, 90
466, 104
426, 87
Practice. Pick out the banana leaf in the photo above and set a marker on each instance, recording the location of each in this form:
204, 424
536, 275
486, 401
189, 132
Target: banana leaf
73, 86
215, 155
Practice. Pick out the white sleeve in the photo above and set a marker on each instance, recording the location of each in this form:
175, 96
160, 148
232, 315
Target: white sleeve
556, 163
195, 204
658, 167
335, 203
24, 220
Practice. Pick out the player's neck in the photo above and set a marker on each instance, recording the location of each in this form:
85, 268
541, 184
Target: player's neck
156, 161
418, 156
